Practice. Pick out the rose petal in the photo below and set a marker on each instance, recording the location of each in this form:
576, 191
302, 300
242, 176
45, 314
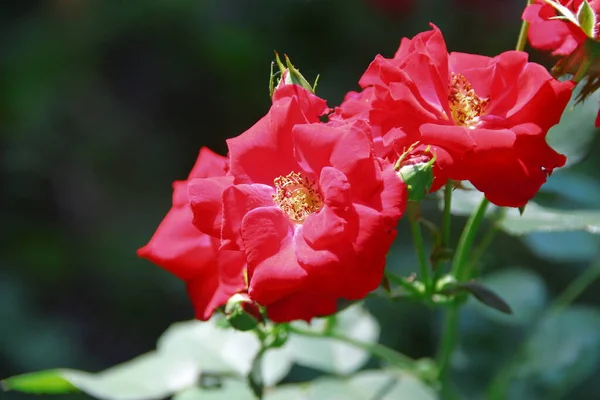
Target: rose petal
238, 200
205, 201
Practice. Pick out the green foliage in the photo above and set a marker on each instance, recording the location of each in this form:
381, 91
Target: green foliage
367, 385
329, 354
543, 219
561, 352
574, 134
43, 382
587, 19
193, 352
226, 390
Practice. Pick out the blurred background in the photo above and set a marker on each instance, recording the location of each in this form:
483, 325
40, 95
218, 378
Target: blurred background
105, 103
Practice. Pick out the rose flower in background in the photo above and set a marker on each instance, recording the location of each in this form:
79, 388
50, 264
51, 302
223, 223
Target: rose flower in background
561, 26
568, 29
483, 119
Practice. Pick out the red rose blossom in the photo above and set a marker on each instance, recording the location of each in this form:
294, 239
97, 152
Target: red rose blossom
211, 276
549, 33
310, 206
484, 119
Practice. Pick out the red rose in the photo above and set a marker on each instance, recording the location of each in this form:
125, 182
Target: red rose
211, 276
485, 119
549, 33
310, 206
355, 104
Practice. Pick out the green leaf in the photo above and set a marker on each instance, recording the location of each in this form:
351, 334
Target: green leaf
367, 385
147, 377
572, 246
329, 354
587, 19
255, 378
563, 351
486, 296
574, 134
524, 292
224, 351
229, 390
43, 382
573, 189
214, 349
276, 364
541, 219
184, 352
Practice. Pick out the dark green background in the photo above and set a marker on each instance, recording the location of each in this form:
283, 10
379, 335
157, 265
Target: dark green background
105, 103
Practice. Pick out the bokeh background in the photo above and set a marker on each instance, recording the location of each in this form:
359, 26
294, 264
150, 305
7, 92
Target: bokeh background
105, 103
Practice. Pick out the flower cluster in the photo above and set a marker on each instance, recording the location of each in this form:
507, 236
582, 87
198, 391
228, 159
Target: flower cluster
304, 209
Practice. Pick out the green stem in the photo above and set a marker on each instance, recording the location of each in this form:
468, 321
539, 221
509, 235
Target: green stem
414, 214
445, 237
448, 341
485, 241
447, 216
380, 351
460, 260
522, 40
460, 271
577, 287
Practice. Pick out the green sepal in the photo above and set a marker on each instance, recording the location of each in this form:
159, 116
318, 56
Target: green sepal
418, 179
587, 19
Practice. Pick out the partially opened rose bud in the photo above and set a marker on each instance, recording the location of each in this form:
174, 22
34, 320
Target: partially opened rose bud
242, 313
416, 170
290, 75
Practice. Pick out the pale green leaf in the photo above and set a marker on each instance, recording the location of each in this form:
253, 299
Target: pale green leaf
331, 355
228, 390
366, 385
184, 352
541, 219
214, 349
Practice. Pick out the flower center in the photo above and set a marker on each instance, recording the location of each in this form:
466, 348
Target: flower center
465, 105
297, 196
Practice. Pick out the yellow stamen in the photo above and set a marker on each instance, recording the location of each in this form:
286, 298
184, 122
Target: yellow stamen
297, 196
465, 105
